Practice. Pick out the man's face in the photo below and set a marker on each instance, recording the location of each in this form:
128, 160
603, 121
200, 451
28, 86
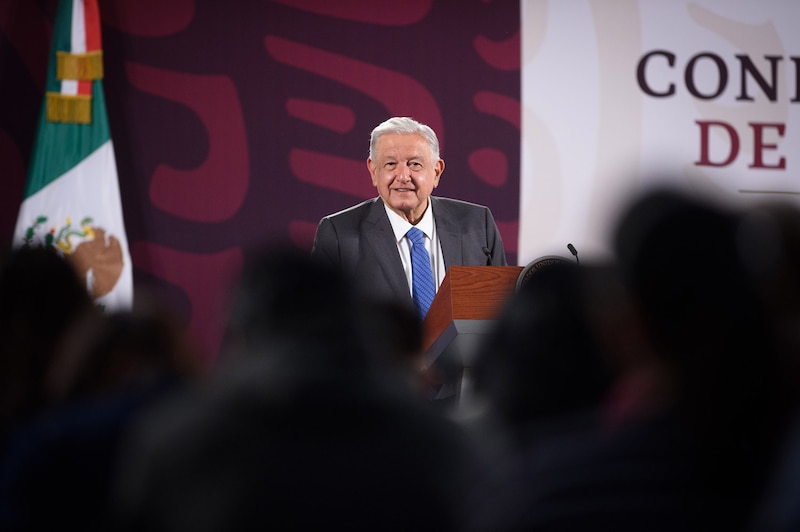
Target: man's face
405, 173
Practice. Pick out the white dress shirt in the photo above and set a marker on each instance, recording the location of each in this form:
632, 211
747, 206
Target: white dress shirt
400, 227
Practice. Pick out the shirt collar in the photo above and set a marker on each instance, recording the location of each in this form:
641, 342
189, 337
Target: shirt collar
400, 226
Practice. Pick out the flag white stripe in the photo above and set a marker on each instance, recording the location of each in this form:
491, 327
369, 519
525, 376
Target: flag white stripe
91, 188
78, 35
69, 86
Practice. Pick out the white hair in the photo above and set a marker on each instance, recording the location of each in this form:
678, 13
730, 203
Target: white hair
403, 125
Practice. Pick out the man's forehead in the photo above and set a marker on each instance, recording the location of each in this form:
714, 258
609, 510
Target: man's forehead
403, 144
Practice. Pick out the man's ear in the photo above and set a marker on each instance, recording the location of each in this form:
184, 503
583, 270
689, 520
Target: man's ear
438, 168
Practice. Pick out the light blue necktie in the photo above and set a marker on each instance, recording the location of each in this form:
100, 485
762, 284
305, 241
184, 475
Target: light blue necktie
423, 288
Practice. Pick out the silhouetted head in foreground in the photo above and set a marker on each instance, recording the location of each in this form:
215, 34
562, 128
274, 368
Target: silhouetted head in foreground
684, 260
40, 297
543, 360
285, 298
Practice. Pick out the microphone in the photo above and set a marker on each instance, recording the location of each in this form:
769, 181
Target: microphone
574, 252
488, 254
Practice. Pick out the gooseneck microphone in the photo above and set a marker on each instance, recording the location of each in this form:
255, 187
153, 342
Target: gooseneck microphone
488, 254
574, 252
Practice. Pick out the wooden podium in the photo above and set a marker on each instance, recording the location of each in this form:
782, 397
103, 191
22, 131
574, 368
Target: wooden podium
466, 305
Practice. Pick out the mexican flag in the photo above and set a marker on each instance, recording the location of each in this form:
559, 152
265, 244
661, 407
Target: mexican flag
72, 200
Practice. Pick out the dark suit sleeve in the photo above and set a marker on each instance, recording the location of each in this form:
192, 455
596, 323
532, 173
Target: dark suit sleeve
497, 252
326, 244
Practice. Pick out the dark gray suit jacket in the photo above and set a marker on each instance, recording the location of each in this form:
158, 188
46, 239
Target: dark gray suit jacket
361, 242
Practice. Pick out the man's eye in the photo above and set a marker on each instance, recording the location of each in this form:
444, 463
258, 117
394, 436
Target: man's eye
415, 164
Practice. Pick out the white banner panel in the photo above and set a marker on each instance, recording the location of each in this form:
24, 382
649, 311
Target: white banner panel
621, 94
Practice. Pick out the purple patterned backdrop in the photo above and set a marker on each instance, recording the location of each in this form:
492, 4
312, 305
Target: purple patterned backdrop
238, 122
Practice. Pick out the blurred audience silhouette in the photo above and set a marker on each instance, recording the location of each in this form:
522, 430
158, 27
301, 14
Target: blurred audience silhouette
543, 361
80, 377
656, 390
689, 263
691, 431
40, 298
544, 372
310, 425
770, 237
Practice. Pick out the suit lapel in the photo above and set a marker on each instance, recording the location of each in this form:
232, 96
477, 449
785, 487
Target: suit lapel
449, 233
382, 241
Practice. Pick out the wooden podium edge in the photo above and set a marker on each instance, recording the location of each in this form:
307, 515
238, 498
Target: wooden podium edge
467, 293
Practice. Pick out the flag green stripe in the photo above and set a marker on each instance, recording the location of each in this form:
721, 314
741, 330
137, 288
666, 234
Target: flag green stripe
59, 146
62, 42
